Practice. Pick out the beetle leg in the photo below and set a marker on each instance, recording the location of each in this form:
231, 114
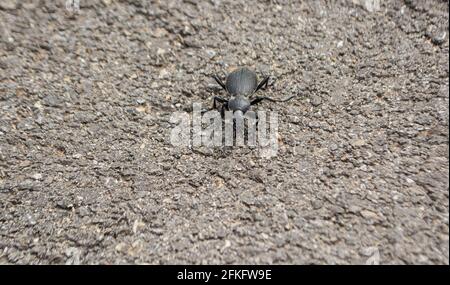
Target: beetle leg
264, 83
218, 99
222, 111
259, 99
217, 79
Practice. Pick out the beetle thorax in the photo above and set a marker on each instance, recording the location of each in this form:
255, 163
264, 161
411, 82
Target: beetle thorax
240, 103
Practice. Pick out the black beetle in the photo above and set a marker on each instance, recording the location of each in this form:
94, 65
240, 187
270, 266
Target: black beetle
241, 84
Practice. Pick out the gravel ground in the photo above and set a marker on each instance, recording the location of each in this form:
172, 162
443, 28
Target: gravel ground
88, 174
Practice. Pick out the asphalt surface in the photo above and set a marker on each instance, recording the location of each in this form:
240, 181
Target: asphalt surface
88, 174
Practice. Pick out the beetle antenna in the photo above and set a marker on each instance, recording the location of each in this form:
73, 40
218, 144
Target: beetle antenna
259, 99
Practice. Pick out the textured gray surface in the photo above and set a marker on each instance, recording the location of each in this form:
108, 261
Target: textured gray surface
87, 174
